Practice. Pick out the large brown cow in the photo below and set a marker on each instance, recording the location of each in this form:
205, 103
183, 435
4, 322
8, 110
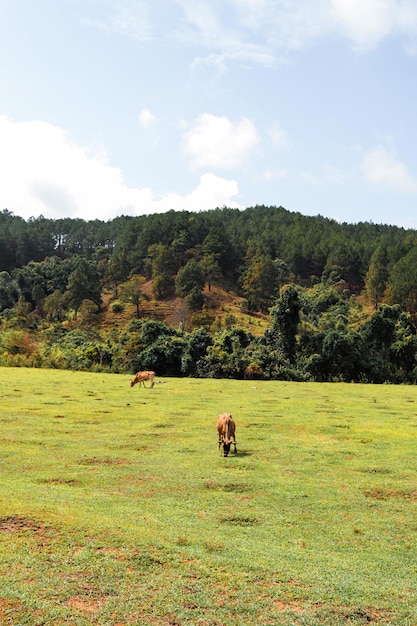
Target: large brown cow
226, 428
140, 378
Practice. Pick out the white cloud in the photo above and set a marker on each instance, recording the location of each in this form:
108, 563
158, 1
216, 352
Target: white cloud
212, 191
278, 136
367, 22
309, 178
333, 174
364, 22
381, 168
258, 31
44, 173
270, 175
261, 31
217, 142
124, 17
217, 62
146, 118
326, 174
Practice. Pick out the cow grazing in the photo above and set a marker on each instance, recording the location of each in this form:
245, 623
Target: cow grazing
226, 428
140, 378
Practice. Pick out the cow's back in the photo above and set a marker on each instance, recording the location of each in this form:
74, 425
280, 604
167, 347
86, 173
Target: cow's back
226, 426
140, 378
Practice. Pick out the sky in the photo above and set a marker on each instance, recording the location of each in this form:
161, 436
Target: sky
132, 107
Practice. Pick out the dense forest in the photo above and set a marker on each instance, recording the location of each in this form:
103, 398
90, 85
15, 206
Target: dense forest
337, 301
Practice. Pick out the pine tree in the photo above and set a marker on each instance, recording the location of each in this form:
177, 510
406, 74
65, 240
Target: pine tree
376, 276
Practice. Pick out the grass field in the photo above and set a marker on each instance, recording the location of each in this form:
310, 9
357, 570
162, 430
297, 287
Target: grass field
116, 508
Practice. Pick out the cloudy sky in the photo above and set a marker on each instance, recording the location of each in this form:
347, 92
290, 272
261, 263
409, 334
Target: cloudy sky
111, 107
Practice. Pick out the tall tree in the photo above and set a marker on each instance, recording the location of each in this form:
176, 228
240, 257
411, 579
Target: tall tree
9, 291
54, 306
131, 291
211, 268
285, 320
161, 259
83, 284
377, 276
260, 283
189, 278
345, 261
117, 269
402, 284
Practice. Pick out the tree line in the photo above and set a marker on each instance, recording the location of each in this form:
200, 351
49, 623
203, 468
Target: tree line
309, 275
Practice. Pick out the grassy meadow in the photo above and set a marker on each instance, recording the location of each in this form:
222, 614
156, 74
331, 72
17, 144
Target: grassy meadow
116, 508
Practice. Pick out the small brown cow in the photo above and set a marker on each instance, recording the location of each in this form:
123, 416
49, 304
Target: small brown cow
226, 428
140, 378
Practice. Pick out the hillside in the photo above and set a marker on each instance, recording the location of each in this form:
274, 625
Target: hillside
254, 252
327, 301
221, 309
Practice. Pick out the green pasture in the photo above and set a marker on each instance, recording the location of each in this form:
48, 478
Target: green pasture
116, 508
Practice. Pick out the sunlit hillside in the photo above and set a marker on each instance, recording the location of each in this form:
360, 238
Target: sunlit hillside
222, 309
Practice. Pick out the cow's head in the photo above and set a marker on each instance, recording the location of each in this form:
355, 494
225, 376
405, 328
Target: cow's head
226, 448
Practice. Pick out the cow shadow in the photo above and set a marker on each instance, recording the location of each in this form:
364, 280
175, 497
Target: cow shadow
240, 453
235, 451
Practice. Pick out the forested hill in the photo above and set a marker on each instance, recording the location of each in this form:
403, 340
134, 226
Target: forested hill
241, 249
309, 246
331, 301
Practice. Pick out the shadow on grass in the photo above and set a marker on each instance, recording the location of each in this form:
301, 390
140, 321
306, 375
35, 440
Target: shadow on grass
241, 454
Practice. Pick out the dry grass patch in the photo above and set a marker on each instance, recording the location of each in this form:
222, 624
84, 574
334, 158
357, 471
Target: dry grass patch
382, 493
22, 525
103, 461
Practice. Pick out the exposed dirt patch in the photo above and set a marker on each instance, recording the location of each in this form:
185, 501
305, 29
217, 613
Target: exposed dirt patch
285, 606
104, 550
367, 615
235, 487
7, 607
14, 524
240, 520
381, 493
144, 561
190, 606
95, 460
90, 605
214, 547
71, 482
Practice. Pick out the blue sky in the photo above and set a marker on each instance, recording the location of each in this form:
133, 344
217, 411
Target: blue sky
111, 107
